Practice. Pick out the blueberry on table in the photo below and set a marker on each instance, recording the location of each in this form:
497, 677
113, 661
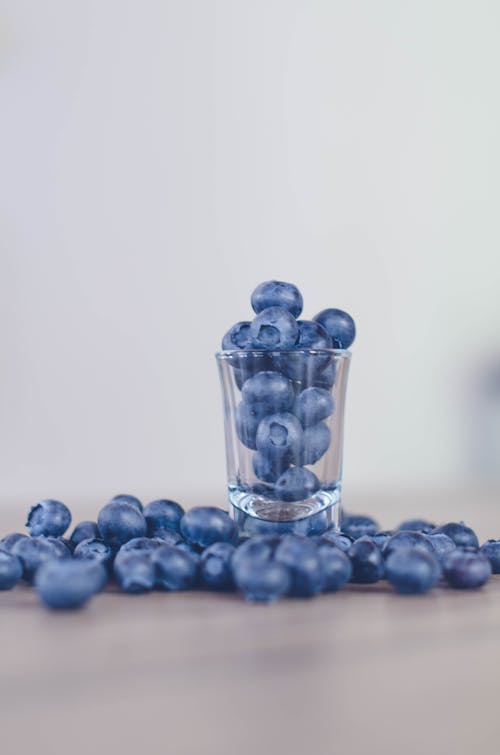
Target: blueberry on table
256, 548
315, 443
84, 531
339, 539
11, 570
491, 549
313, 405
408, 539
238, 337
268, 392
268, 468
7, 542
48, 517
301, 556
166, 535
33, 552
125, 498
163, 513
60, 548
277, 294
204, 525
119, 521
412, 571
94, 549
461, 535
262, 581
246, 423
335, 565
134, 570
68, 584
144, 544
366, 560
339, 325
215, 566
441, 543
381, 538
296, 484
357, 525
274, 329
466, 570
417, 525
280, 437
175, 569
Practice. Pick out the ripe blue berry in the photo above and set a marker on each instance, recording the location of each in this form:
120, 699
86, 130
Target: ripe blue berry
268, 468
166, 535
297, 484
407, 539
124, 498
367, 562
303, 367
466, 570
237, 337
134, 570
215, 566
11, 570
256, 548
462, 536
274, 329
84, 531
68, 584
61, 550
412, 571
246, 423
277, 294
381, 538
339, 539
335, 565
313, 405
176, 569
142, 544
356, 525
324, 378
280, 437
204, 525
301, 557
119, 521
268, 393
316, 442
94, 549
33, 552
441, 543
7, 542
164, 514
339, 325
491, 549
417, 525
263, 581
48, 518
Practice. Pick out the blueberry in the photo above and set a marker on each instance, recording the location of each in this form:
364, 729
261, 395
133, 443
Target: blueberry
466, 569
134, 570
70, 545
412, 571
380, 538
142, 544
325, 378
205, 525
33, 552
215, 566
247, 364
312, 337
11, 570
163, 513
441, 543
48, 518
312, 405
246, 423
461, 535
335, 565
339, 325
192, 549
407, 539
94, 549
168, 536
84, 531
296, 484
7, 542
491, 549
268, 393
273, 329
356, 525
68, 584
280, 437
277, 294
367, 562
316, 442
61, 550
119, 521
268, 468
417, 525
175, 568
256, 548
125, 498
301, 557
340, 539
263, 581
237, 337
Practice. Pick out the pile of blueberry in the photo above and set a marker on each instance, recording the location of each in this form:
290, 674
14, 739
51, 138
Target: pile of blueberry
160, 546
286, 393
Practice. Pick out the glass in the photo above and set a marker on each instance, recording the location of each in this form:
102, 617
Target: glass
284, 437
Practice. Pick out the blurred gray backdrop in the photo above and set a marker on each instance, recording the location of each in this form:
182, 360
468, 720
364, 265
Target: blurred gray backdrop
160, 158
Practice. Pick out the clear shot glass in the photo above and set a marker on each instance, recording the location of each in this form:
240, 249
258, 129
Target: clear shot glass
284, 425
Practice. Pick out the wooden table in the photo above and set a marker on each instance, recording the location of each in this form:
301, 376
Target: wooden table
361, 671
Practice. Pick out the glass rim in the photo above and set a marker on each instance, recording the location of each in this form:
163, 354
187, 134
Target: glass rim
232, 353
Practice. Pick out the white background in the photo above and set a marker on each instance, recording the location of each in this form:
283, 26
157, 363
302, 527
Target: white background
158, 159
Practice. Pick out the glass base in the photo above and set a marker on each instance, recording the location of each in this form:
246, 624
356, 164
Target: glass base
255, 513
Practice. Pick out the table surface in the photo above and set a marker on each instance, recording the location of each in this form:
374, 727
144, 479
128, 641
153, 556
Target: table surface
205, 673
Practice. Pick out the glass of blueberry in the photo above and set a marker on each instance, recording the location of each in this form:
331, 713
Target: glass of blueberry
284, 382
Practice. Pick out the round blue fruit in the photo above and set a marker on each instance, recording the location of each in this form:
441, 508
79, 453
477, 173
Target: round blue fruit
163, 513
324, 378
280, 437
68, 584
268, 468
142, 544
215, 566
313, 405
357, 525
366, 560
277, 294
381, 538
120, 521
335, 565
246, 423
166, 535
339, 539
175, 569
238, 337
94, 549
261, 580
304, 367
48, 518
417, 525
462, 536
296, 484
11, 570
315, 443
204, 525
441, 543
7, 542
125, 498
33, 552
412, 571
407, 539
300, 555
466, 570
274, 329
84, 531
134, 571
268, 393
339, 325
256, 548
491, 549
